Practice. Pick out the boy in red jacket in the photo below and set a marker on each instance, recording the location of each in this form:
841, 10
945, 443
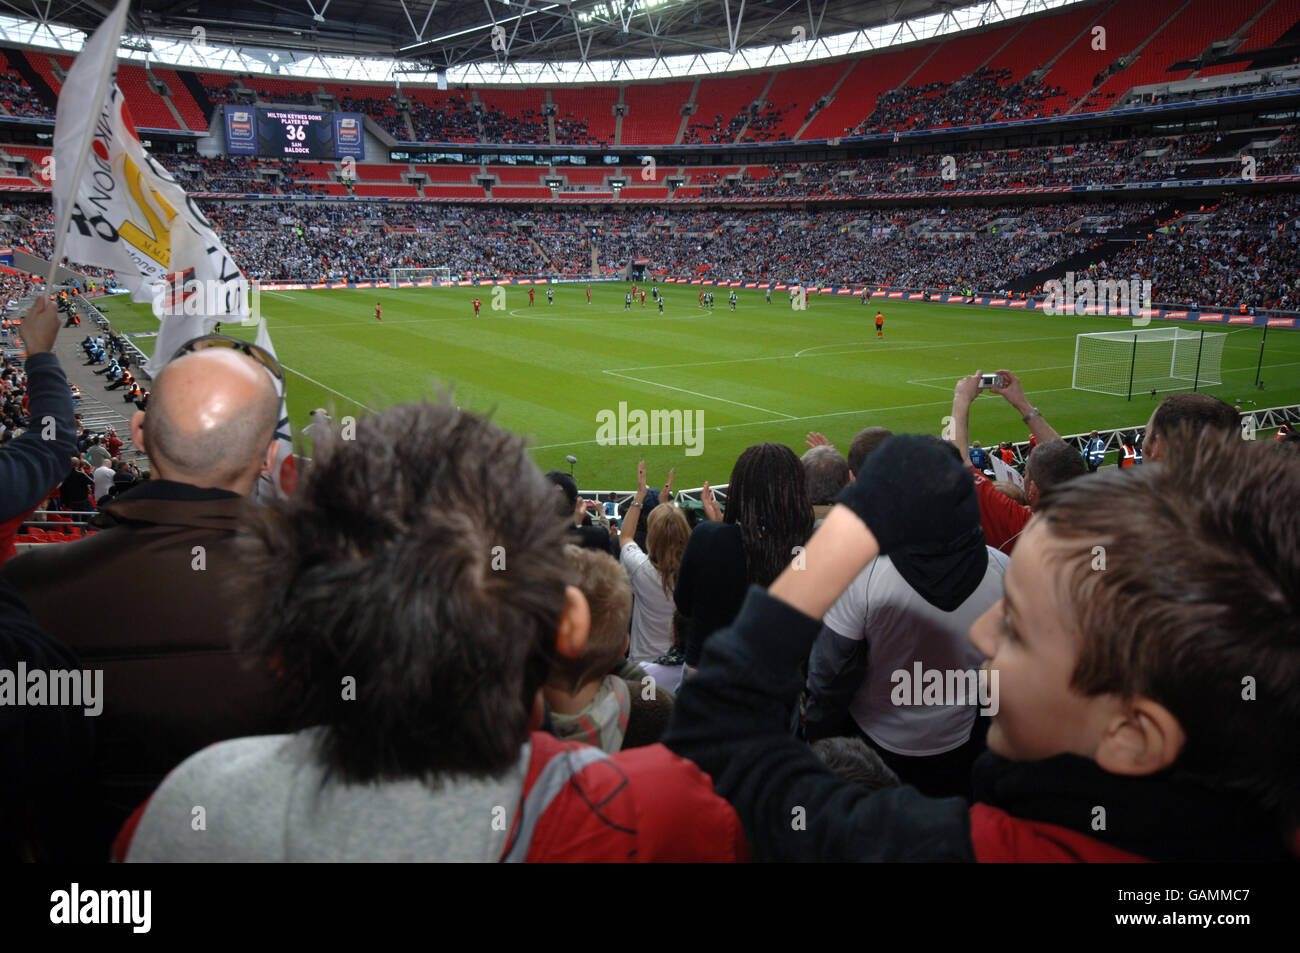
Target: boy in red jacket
1144, 709
418, 680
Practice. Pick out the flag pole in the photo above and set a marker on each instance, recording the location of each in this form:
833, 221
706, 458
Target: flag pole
115, 19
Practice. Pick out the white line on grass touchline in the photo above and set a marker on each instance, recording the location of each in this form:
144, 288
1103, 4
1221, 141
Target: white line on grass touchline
326, 387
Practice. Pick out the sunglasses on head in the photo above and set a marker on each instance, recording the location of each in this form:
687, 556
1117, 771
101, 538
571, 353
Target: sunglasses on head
261, 355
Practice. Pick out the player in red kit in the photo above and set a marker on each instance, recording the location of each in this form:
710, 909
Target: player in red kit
532, 293
477, 305
379, 311
588, 294
643, 299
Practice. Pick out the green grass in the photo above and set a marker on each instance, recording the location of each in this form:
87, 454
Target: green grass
765, 373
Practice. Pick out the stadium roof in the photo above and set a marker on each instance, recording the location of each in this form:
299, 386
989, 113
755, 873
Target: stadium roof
504, 41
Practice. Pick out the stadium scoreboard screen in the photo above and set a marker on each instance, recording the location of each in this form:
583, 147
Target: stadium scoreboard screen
296, 133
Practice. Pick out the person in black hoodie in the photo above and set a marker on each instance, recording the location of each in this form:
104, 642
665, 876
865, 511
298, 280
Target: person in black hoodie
1146, 707
912, 608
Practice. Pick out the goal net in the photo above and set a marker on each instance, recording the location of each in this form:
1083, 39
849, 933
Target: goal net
1139, 361
421, 277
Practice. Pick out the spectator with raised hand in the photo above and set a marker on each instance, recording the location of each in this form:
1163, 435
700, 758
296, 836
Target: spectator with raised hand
572, 509
1052, 462
709, 502
1119, 688
37, 461
653, 571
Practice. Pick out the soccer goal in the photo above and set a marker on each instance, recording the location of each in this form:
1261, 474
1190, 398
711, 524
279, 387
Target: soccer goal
1123, 363
418, 276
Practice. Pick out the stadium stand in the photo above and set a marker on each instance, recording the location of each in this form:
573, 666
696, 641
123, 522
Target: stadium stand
654, 112
585, 114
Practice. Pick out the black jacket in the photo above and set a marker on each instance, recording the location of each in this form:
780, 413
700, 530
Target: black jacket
173, 682
32, 466
46, 785
730, 719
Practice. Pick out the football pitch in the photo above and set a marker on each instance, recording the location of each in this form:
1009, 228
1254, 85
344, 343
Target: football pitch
556, 373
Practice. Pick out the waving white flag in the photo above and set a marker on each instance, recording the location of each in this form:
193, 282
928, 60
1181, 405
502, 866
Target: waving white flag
117, 208
285, 478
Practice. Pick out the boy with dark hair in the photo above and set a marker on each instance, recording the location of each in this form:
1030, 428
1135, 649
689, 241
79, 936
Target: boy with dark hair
1161, 692
411, 632
587, 702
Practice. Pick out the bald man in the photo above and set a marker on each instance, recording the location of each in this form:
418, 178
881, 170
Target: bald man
165, 560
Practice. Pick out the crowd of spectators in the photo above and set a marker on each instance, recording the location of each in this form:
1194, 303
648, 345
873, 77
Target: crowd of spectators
582, 676
1242, 250
1245, 251
452, 121
1107, 162
958, 247
1102, 162
983, 96
18, 99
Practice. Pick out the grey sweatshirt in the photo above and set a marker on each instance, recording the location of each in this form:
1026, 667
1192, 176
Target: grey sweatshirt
267, 798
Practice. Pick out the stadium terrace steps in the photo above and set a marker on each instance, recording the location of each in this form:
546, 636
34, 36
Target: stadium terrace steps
687, 113
19, 62
99, 408
181, 96
654, 114
1162, 39
1136, 22
866, 79
1107, 246
830, 98
960, 56
148, 109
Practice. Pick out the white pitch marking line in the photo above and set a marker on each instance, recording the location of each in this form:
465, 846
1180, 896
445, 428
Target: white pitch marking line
786, 357
327, 387
788, 419
695, 393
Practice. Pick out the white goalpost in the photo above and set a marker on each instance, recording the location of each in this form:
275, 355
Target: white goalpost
1122, 363
420, 277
